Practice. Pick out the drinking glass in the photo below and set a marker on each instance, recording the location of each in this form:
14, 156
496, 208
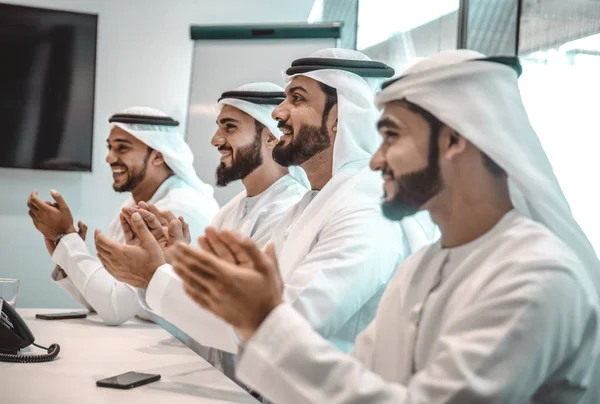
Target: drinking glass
9, 289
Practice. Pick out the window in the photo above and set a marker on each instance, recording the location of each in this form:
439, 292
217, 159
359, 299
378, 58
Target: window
560, 88
400, 32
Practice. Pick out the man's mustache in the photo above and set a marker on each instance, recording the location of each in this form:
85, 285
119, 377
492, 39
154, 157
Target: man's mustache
283, 124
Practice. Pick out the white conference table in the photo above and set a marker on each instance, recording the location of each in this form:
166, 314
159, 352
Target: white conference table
90, 351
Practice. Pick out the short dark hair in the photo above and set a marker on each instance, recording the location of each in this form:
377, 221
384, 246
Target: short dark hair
259, 127
435, 125
492, 166
331, 98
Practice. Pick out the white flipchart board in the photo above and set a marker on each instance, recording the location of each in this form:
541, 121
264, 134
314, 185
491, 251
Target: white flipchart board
223, 64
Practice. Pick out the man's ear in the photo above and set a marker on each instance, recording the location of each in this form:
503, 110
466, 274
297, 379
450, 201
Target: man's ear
158, 158
451, 143
332, 119
271, 140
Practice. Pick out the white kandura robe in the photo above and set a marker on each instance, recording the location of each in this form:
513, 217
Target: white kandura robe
257, 216
335, 259
254, 217
91, 285
511, 317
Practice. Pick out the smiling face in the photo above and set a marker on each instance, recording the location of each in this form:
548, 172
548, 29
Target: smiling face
306, 119
239, 138
128, 158
409, 159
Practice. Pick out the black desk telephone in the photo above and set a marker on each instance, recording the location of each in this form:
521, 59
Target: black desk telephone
14, 335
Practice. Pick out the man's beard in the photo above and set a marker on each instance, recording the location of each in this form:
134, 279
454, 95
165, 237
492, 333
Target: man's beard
307, 143
243, 163
133, 178
414, 189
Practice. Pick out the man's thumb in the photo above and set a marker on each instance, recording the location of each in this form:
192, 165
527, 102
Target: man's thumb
60, 201
175, 230
140, 229
270, 252
82, 229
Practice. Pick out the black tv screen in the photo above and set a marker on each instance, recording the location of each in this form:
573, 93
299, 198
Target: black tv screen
47, 79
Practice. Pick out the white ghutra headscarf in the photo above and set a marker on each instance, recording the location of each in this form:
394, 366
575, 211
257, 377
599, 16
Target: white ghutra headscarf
155, 129
259, 100
479, 98
357, 137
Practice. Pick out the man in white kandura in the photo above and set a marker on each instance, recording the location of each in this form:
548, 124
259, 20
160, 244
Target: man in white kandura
150, 159
245, 137
504, 309
333, 246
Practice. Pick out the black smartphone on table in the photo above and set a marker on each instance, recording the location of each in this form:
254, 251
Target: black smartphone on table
61, 316
127, 380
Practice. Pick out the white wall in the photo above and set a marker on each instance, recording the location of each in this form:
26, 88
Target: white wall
144, 57
264, 61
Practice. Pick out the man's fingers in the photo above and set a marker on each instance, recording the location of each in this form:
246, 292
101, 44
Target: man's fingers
271, 255
105, 263
30, 197
168, 252
175, 231
158, 231
219, 248
150, 219
228, 238
101, 241
106, 259
103, 244
33, 216
259, 259
127, 232
128, 212
82, 229
205, 285
140, 229
34, 202
196, 261
199, 296
153, 209
186, 230
60, 201
33, 206
270, 252
204, 244
168, 215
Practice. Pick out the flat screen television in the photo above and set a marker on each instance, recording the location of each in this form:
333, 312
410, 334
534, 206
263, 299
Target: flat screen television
47, 80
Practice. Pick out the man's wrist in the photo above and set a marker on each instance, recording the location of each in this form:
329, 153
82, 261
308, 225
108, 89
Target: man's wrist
247, 332
60, 236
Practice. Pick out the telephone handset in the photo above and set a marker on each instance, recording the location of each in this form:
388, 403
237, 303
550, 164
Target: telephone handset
15, 335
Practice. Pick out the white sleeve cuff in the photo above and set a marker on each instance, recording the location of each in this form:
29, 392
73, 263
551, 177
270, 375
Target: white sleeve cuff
282, 324
141, 295
70, 288
61, 255
164, 275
